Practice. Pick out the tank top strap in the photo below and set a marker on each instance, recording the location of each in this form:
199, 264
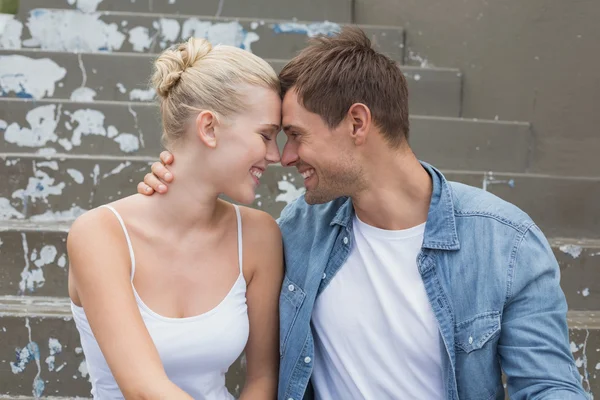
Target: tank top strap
130, 247
239, 236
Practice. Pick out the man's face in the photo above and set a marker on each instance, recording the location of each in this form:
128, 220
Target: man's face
325, 157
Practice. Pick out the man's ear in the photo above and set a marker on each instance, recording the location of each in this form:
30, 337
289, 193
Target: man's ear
206, 122
359, 116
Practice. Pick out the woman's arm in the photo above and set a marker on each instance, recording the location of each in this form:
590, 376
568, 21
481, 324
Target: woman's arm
262, 295
100, 279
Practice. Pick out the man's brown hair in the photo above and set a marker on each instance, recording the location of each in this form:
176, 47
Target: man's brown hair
332, 73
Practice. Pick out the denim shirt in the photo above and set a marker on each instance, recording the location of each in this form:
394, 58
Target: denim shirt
491, 279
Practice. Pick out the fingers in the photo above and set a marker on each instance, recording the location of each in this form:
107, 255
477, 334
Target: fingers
154, 183
142, 188
162, 172
166, 157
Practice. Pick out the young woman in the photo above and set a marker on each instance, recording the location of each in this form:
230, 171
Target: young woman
167, 291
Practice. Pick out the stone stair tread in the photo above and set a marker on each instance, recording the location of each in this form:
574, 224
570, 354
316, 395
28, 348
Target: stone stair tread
333, 10
142, 32
433, 91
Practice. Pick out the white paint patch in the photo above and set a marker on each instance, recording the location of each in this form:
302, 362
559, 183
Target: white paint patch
29, 77
40, 187
140, 39
76, 175
290, 192
78, 350
226, 33
30, 280
70, 30
88, 6
585, 292
574, 348
423, 62
171, 1
11, 30
42, 122
311, 30
7, 211
47, 256
254, 25
68, 215
121, 87
417, 77
89, 122
54, 347
83, 369
169, 30
598, 366
571, 249
83, 95
128, 143
62, 261
117, 170
142, 95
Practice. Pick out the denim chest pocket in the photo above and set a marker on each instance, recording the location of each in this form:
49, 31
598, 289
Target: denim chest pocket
290, 301
478, 372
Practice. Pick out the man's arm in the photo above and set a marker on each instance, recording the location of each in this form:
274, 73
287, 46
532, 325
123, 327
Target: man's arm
534, 343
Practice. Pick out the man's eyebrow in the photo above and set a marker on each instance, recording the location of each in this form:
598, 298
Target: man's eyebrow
291, 127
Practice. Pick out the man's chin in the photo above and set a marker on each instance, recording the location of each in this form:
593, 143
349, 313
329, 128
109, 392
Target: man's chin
314, 197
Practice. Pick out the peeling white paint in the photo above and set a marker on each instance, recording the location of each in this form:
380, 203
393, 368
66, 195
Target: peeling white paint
7, 211
423, 62
142, 95
225, 33
83, 95
169, 30
11, 30
30, 280
87, 6
54, 347
489, 179
254, 25
39, 186
28, 77
70, 30
83, 369
311, 30
67, 215
47, 256
76, 175
571, 249
140, 39
289, 192
78, 350
62, 261
118, 169
121, 87
42, 122
585, 292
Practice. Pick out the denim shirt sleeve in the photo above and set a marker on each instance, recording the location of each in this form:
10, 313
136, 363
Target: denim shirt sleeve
534, 343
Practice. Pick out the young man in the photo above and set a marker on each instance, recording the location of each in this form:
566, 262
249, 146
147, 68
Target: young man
400, 284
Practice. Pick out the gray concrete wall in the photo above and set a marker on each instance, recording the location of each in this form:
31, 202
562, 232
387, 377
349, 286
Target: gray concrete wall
535, 60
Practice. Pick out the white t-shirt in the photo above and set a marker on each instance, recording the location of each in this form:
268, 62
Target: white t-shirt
376, 336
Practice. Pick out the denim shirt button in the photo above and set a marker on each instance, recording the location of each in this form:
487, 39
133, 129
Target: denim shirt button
345, 240
291, 288
471, 340
307, 360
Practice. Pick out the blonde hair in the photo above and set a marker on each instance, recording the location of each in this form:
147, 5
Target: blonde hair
195, 76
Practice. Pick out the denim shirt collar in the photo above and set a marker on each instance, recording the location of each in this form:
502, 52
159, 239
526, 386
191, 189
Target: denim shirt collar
440, 228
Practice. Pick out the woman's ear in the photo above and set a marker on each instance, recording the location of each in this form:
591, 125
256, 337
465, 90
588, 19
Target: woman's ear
206, 122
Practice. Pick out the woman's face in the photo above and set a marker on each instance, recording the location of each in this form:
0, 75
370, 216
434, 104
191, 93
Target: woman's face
247, 143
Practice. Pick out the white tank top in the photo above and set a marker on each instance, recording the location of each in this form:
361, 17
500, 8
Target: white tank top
196, 352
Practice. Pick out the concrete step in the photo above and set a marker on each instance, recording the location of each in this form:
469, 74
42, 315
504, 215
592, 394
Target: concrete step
73, 31
41, 355
309, 10
40, 351
120, 128
59, 187
33, 261
43, 74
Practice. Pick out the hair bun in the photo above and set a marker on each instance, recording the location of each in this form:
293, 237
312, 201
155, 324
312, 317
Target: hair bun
172, 64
